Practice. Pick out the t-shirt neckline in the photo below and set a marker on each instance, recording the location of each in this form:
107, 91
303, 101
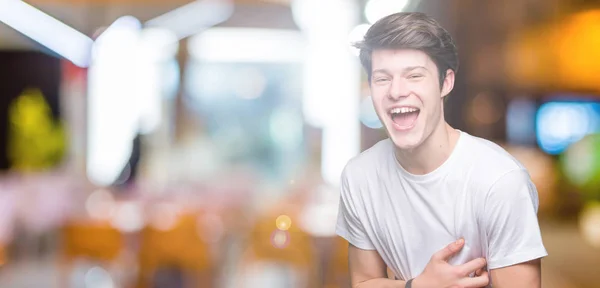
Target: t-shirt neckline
439, 170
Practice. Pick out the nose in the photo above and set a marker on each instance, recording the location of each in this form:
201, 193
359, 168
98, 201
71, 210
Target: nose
398, 89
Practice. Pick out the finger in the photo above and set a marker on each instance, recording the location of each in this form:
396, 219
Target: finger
475, 282
472, 266
449, 250
479, 272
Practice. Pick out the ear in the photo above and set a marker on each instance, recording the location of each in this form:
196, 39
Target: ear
448, 83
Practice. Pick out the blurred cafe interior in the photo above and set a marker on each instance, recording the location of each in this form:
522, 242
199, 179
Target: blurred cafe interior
180, 143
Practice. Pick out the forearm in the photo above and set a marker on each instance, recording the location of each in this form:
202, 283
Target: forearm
380, 283
368, 270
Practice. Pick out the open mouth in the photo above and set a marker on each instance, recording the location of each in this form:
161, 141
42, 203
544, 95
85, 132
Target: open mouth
404, 117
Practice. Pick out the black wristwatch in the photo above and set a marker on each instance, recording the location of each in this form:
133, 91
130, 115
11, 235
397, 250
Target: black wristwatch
409, 283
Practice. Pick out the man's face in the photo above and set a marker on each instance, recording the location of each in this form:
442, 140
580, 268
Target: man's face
406, 94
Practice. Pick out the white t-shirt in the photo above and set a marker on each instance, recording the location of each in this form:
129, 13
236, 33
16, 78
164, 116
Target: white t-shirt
480, 193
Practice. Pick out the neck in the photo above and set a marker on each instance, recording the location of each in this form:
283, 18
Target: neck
432, 153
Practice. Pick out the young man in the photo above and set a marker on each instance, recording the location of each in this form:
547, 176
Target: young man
438, 206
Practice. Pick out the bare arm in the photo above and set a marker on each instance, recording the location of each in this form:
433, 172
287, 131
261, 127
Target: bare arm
367, 270
526, 275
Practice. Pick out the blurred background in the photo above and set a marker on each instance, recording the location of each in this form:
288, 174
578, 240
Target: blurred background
149, 143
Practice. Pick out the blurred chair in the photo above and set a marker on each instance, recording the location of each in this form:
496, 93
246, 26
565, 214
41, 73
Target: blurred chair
292, 248
95, 241
179, 246
3, 256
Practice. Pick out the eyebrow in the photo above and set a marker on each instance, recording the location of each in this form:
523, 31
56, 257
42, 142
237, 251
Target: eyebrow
405, 70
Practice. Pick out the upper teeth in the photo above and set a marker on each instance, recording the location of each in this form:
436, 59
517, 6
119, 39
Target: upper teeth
403, 110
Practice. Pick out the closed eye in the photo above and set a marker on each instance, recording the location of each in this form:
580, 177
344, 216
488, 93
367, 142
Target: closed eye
381, 80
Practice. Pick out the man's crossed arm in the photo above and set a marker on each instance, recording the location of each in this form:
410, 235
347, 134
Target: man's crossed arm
368, 270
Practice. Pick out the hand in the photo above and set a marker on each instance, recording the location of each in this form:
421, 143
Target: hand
480, 271
439, 274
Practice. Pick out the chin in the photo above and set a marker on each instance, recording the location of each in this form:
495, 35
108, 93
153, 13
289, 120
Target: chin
406, 140
403, 143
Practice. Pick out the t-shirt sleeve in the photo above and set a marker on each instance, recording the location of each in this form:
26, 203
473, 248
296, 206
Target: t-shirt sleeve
349, 225
510, 221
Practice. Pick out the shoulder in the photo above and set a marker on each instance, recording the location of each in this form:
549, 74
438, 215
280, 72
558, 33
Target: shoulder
498, 176
362, 168
371, 159
490, 163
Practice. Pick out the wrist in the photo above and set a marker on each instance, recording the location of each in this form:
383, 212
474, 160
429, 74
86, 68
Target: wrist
417, 282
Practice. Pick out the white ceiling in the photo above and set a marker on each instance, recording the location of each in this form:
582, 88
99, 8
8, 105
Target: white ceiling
84, 17
89, 18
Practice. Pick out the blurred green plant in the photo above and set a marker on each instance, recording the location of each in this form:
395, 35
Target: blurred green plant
36, 141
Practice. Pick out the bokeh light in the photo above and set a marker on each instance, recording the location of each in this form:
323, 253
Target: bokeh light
164, 216
128, 217
286, 128
589, 223
520, 121
581, 163
319, 219
283, 222
484, 110
368, 115
98, 278
559, 124
100, 205
280, 239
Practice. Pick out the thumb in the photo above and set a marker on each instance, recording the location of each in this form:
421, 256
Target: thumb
449, 250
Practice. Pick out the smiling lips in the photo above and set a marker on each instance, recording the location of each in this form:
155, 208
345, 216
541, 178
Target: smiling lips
404, 118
